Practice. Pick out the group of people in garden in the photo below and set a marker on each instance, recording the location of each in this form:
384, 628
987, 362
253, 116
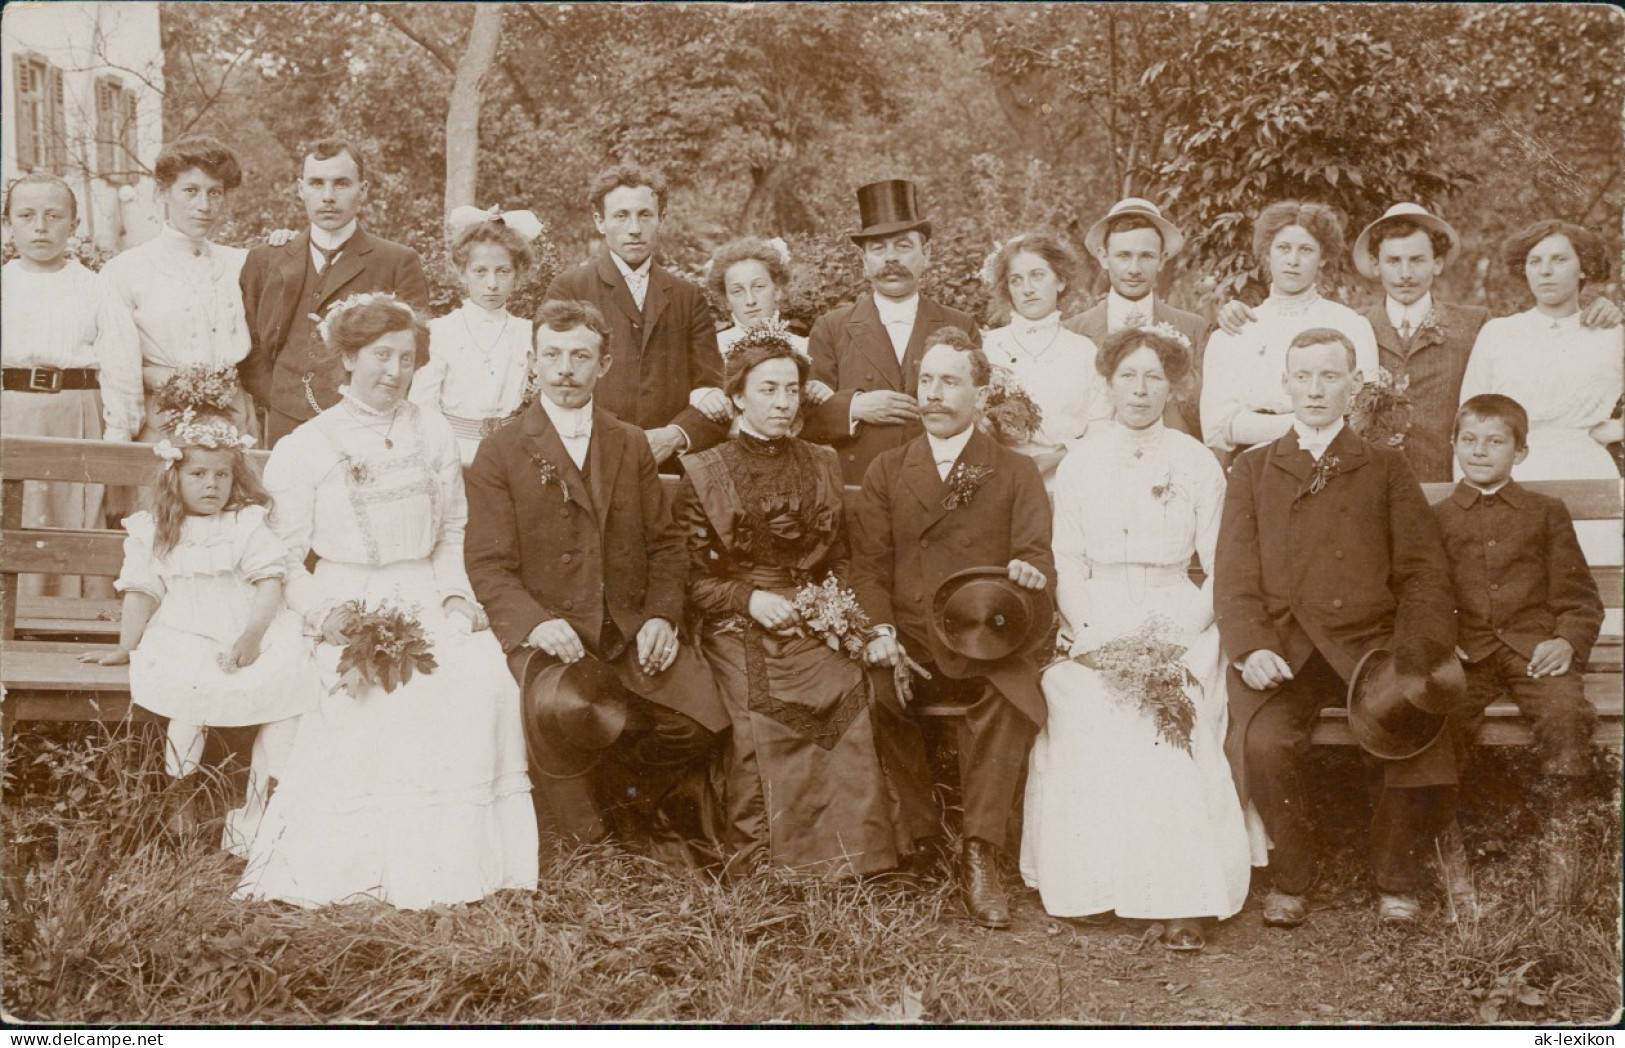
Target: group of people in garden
470, 618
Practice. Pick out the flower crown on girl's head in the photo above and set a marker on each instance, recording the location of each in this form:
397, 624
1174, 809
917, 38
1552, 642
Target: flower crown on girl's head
365, 298
211, 433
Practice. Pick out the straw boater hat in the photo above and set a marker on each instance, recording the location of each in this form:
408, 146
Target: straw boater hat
1395, 714
981, 615
1172, 238
1416, 213
887, 208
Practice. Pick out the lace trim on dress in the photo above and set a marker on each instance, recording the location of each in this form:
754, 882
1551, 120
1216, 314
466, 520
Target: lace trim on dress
780, 519
823, 728
365, 483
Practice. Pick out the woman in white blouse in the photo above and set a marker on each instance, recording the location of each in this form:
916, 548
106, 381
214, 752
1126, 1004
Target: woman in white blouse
419, 795
1243, 399
1567, 376
1031, 276
175, 300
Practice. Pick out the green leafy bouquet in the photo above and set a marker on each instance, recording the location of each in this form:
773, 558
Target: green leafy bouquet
1011, 416
383, 646
200, 389
1142, 670
1381, 409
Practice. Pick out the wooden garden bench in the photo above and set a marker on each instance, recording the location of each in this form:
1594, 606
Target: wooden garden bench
43, 637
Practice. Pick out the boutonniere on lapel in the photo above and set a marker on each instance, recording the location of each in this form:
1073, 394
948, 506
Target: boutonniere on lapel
1325, 469
962, 483
1431, 327
548, 473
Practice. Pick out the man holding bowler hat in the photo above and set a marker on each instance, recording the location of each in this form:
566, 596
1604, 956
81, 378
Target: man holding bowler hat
582, 572
869, 350
949, 501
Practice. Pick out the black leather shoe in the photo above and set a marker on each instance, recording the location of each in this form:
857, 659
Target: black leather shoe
979, 880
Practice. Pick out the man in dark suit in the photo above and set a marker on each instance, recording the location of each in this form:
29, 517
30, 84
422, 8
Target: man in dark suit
869, 351
1327, 549
1131, 244
286, 370
662, 334
946, 501
572, 553
1418, 336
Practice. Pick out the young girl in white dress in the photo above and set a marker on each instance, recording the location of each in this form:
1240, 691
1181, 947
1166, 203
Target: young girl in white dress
51, 373
1119, 817
206, 635
479, 353
419, 794
1031, 275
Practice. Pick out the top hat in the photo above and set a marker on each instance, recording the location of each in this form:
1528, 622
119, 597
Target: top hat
1172, 238
888, 207
571, 712
980, 614
1416, 213
1395, 714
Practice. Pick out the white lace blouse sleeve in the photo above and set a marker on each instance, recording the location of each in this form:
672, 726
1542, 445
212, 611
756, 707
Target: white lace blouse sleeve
450, 575
1224, 390
1071, 544
430, 379
291, 482
1480, 374
1364, 338
118, 347
139, 573
1208, 484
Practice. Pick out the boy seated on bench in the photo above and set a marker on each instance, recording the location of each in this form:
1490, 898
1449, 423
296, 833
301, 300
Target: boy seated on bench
1528, 615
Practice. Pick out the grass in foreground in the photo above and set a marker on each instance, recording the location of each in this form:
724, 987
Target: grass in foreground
109, 918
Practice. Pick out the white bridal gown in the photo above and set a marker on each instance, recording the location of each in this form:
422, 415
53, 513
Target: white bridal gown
420, 795
1116, 818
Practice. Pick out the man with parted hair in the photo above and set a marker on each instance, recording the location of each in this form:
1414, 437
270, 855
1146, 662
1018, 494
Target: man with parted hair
572, 553
662, 333
1328, 550
1131, 243
288, 287
952, 499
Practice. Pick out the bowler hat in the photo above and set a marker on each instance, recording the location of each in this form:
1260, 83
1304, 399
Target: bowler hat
1397, 713
571, 712
888, 207
1416, 213
980, 614
1172, 238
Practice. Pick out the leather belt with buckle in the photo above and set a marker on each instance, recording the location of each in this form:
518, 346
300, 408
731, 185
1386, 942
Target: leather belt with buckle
49, 380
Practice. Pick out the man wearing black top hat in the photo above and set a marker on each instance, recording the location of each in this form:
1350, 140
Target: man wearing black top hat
951, 556
1328, 550
869, 351
583, 572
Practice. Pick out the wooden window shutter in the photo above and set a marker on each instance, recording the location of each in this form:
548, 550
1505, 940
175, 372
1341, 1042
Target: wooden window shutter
104, 128
56, 124
28, 114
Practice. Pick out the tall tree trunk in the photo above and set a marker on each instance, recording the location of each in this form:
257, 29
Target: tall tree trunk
463, 112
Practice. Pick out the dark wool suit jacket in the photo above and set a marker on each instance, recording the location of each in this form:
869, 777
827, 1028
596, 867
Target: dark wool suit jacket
1356, 566
852, 353
1180, 414
661, 354
1520, 575
1435, 359
580, 550
905, 543
271, 280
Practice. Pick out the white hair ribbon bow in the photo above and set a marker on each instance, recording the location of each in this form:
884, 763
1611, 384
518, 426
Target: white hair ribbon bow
525, 223
167, 451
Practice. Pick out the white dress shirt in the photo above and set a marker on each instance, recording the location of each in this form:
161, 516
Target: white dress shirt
574, 426
945, 451
320, 237
637, 280
1316, 441
1399, 314
898, 316
1119, 309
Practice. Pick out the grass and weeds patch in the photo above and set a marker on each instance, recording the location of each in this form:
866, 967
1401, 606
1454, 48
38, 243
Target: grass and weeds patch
112, 916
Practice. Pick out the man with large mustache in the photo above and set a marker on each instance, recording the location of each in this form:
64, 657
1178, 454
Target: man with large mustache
869, 350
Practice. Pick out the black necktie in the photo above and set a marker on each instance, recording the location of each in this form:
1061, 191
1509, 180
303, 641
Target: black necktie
329, 254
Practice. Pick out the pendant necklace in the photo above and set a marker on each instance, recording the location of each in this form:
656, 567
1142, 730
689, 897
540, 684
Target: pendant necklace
486, 351
362, 410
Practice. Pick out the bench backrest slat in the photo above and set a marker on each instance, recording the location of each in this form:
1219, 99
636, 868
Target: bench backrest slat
85, 461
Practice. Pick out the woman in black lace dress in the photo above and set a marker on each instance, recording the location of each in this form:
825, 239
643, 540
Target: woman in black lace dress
763, 516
